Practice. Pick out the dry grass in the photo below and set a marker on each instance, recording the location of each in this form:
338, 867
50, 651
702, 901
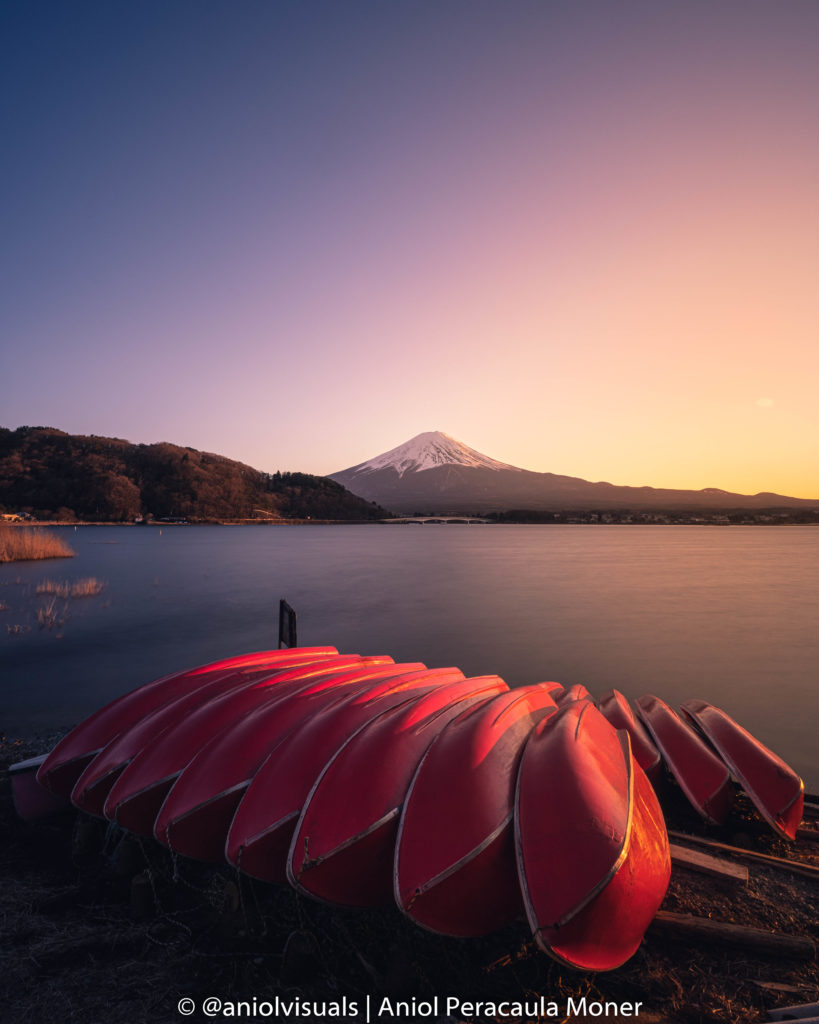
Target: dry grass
21, 543
48, 614
89, 587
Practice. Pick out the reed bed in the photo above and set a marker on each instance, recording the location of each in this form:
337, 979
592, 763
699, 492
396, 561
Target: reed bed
89, 587
22, 543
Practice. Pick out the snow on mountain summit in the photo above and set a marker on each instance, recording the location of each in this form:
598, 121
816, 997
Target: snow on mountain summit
426, 451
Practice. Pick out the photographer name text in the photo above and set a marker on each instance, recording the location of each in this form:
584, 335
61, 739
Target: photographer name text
384, 1009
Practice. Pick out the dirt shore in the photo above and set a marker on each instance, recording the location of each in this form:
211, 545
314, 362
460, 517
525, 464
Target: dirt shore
97, 926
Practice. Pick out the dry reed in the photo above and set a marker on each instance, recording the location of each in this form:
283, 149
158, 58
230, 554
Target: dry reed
89, 587
20, 543
48, 615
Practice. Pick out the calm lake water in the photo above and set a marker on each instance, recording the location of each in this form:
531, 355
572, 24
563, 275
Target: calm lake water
727, 614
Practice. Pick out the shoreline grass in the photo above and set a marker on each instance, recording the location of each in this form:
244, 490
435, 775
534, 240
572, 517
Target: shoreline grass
26, 543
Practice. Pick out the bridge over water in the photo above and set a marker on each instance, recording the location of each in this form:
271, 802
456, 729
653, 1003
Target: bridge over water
424, 520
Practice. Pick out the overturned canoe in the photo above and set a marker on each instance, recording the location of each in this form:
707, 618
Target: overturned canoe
93, 786
137, 795
577, 691
342, 850
592, 849
197, 813
31, 799
774, 787
262, 828
616, 708
454, 857
701, 774
69, 758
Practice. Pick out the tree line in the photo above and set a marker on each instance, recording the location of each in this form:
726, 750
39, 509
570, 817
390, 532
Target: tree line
50, 474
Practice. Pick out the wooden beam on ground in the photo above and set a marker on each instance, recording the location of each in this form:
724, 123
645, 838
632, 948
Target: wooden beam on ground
781, 986
806, 870
704, 863
804, 1012
705, 929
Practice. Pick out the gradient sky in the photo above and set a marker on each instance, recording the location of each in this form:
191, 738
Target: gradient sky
581, 237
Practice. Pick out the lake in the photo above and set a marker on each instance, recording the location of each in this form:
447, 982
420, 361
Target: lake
728, 614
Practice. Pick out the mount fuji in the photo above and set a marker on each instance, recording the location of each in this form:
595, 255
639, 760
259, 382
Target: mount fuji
434, 473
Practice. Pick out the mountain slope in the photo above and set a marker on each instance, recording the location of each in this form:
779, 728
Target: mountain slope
428, 451
435, 473
57, 475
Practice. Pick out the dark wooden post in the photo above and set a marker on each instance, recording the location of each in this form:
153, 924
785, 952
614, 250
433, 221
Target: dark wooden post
287, 625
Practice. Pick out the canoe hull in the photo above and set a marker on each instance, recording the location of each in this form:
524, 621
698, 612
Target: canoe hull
616, 708
454, 860
773, 786
32, 800
592, 848
702, 776
135, 799
69, 758
342, 851
196, 816
262, 828
93, 786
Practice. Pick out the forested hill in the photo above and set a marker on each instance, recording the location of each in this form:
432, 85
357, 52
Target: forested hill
51, 474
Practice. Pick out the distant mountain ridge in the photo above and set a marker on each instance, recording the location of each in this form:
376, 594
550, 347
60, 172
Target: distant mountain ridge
433, 472
51, 474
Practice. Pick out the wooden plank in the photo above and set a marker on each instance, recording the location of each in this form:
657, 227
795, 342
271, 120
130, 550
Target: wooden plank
809, 832
807, 870
716, 867
781, 986
805, 1011
705, 929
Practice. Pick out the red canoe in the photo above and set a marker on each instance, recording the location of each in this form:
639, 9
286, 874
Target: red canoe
701, 774
617, 710
66, 762
342, 850
195, 818
454, 858
31, 800
592, 849
775, 788
137, 795
556, 689
92, 787
262, 828
572, 693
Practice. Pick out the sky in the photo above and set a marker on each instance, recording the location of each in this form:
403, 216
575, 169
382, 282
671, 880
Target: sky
582, 238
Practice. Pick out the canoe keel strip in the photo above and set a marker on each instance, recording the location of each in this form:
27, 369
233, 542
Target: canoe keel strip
473, 803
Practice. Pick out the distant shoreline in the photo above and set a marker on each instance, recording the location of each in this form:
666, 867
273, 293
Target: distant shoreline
431, 520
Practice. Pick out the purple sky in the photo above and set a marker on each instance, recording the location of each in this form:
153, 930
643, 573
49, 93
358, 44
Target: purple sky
581, 238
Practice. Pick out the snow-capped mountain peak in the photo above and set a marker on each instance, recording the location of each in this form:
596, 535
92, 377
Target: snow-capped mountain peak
426, 451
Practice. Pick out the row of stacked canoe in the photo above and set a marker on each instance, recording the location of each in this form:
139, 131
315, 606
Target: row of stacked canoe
360, 781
